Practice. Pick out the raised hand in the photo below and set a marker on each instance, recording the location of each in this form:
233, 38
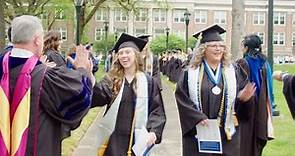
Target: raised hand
278, 75
247, 92
82, 58
45, 61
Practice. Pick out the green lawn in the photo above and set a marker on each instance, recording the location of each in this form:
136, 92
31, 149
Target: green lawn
284, 125
70, 143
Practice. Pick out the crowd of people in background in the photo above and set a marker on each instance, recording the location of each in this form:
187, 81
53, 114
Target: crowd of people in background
59, 90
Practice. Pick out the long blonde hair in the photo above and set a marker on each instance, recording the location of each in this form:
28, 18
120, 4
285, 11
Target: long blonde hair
200, 54
116, 73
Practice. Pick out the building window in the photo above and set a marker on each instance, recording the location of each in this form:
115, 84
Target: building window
201, 16
120, 30
159, 15
178, 15
261, 36
158, 32
120, 15
279, 39
220, 17
99, 34
60, 14
101, 14
142, 15
279, 18
293, 39
63, 33
258, 18
140, 31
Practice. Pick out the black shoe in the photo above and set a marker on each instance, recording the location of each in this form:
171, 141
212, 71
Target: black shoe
276, 113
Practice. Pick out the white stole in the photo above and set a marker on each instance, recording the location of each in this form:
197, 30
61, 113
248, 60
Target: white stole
195, 94
107, 124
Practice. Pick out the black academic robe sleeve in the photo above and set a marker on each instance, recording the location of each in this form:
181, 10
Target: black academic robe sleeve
157, 118
156, 71
66, 95
242, 108
189, 116
102, 92
56, 57
289, 92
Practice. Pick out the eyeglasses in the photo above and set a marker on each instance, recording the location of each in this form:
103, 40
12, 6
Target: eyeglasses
216, 46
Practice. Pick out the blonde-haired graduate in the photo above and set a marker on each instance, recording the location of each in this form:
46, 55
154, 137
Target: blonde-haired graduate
133, 99
150, 61
211, 93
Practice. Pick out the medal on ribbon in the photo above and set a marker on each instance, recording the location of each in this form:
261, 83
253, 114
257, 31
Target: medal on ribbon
214, 78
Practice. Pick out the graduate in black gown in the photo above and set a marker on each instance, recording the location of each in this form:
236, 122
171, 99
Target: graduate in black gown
52, 41
133, 101
288, 88
151, 62
212, 88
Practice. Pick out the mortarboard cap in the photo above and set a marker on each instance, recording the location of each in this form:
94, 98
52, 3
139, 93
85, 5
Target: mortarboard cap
144, 37
211, 33
126, 40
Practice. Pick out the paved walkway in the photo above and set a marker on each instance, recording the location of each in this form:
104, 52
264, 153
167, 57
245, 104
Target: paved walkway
171, 141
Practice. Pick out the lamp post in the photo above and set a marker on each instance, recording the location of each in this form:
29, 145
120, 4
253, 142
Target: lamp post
186, 18
78, 6
106, 28
270, 34
116, 35
167, 37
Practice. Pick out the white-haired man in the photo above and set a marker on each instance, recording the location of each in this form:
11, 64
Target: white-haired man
39, 104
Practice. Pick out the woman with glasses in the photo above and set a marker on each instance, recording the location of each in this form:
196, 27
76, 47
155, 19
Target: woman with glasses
211, 93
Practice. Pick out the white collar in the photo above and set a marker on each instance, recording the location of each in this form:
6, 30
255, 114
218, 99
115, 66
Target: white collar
21, 53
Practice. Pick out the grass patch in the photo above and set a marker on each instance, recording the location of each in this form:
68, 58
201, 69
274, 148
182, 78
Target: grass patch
69, 144
284, 125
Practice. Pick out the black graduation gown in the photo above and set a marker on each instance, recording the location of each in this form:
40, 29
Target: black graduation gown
289, 93
156, 71
56, 57
190, 117
177, 70
119, 140
254, 129
56, 107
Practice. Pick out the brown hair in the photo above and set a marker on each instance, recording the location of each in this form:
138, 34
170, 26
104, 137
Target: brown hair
72, 50
51, 40
200, 53
116, 74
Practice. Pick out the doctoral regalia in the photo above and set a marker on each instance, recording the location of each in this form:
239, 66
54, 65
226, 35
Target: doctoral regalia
60, 98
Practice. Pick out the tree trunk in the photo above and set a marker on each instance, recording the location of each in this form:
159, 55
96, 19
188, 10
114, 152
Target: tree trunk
238, 28
2, 26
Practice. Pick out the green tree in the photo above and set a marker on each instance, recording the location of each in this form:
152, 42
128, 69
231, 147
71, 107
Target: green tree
192, 42
89, 8
158, 44
105, 45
